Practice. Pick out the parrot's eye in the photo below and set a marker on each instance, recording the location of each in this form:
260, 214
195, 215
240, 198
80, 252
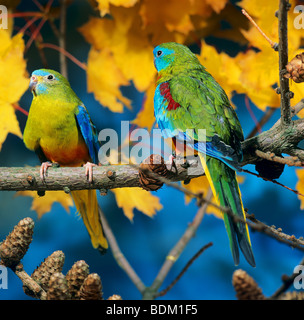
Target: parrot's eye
159, 53
50, 77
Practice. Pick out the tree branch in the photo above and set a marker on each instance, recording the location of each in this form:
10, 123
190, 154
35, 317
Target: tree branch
119, 256
276, 140
68, 179
175, 252
62, 38
283, 61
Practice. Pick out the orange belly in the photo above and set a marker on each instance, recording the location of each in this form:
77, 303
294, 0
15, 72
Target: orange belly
71, 157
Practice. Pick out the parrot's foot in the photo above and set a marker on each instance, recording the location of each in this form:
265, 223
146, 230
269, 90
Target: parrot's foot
186, 164
89, 170
43, 169
172, 159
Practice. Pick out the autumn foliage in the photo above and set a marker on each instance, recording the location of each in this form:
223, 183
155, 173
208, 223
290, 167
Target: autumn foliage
122, 39
122, 35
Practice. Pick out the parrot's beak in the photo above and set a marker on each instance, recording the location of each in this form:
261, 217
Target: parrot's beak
33, 84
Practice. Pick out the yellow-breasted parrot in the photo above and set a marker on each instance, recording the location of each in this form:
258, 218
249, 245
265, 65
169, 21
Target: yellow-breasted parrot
188, 97
59, 130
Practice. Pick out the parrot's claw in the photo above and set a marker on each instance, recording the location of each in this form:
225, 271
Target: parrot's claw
89, 170
172, 158
186, 164
43, 169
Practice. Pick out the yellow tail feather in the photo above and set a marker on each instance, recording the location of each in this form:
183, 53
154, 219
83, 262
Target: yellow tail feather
87, 205
207, 173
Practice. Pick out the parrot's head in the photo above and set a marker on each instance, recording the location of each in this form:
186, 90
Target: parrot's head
169, 55
44, 81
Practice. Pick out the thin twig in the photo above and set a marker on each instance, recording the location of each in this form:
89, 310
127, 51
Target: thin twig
287, 282
62, 39
261, 227
246, 14
35, 34
298, 107
275, 182
283, 61
252, 115
290, 161
17, 107
189, 263
173, 255
266, 117
277, 231
118, 255
64, 52
29, 283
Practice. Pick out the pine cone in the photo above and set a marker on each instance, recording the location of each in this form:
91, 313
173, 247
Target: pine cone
50, 265
115, 297
269, 169
91, 288
156, 164
245, 286
58, 288
76, 276
14, 247
295, 68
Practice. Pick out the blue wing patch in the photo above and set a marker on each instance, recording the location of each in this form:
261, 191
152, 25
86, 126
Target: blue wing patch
215, 148
88, 131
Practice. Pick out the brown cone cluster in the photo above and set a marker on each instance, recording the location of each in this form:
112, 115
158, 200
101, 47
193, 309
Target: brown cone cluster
156, 164
47, 281
14, 247
245, 286
295, 68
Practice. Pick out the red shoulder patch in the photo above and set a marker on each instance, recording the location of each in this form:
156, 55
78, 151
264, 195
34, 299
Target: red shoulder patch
165, 92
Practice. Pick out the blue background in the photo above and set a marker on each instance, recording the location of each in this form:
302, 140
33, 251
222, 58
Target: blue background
146, 242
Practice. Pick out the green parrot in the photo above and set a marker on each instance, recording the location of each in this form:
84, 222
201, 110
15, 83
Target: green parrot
187, 98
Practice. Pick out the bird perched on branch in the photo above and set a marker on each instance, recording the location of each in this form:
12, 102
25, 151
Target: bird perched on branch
187, 99
59, 130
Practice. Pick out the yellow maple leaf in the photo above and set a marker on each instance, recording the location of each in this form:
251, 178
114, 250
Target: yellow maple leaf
126, 41
105, 79
44, 204
175, 16
136, 198
217, 5
257, 78
104, 5
9, 122
223, 68
11, 63
300, 185
145, 117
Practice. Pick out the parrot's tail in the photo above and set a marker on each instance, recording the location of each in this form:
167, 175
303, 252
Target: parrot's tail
225, 188
87, 205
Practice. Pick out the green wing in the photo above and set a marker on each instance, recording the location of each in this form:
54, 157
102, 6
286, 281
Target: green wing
204, 105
